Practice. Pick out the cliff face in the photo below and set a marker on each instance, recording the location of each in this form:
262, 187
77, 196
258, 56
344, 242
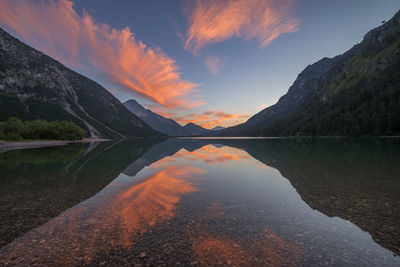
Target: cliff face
356, 93
33, 85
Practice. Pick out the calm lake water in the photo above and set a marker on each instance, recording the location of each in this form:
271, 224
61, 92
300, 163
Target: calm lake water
256, 202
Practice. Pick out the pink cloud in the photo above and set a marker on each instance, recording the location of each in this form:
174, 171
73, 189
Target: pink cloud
79, 41
207, 119
215, 21
213, 63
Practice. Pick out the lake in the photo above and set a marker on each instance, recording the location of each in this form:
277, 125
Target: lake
239, 202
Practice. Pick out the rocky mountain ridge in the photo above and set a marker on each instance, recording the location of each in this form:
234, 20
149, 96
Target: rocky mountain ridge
165, 125
156, 121
35, 86
195, 129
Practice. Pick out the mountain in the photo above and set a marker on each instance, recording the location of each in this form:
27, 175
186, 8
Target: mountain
217, 128
356, 93
155, 121
35, 86
164, 125
195, 129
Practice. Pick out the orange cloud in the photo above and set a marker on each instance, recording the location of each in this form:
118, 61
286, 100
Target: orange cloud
207, 119
261, 107
113, 54
213, 64
215, 21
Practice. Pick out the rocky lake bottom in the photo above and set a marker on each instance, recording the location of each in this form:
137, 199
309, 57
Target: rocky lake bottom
203, 202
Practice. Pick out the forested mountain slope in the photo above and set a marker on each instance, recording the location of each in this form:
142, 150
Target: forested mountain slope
356, 93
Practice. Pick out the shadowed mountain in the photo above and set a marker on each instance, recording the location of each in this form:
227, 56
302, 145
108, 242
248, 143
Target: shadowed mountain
356, 93
195, 129
35, 86
155, 121
217, 128
38, 184
164, 125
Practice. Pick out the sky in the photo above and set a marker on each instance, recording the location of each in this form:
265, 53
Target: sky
211, 62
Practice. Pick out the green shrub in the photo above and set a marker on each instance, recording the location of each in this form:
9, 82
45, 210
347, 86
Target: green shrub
15, 129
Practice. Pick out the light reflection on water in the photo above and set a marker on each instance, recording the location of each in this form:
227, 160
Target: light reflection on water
230, 202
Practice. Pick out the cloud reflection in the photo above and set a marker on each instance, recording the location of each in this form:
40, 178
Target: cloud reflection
213, 155
111, 219
267, 248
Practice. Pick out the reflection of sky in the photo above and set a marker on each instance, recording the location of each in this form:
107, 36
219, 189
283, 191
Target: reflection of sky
238, 212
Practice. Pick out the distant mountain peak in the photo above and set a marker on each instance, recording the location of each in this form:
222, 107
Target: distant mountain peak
195, 129
136, 108
217, 128
162, 124
156, 121
36, 86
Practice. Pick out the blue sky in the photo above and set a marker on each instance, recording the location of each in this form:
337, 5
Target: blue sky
250, 76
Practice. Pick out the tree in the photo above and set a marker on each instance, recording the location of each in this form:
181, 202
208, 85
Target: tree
15, 129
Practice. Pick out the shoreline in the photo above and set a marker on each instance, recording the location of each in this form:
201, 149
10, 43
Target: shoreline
284, 137
11, 145
6, 145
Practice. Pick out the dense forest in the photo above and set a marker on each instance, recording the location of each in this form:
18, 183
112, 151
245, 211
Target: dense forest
15, 129
363, 97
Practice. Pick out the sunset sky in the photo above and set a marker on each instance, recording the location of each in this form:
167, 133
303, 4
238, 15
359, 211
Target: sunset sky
208, 62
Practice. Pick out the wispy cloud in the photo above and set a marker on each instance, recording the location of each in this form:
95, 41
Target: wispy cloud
55, 28
261, 107
207, 119
215, 21
213, 63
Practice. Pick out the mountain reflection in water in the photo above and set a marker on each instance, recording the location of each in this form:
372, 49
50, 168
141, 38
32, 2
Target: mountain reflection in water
204, 202
38, 184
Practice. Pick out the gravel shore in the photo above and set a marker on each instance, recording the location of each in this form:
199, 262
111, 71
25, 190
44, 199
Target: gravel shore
5, 146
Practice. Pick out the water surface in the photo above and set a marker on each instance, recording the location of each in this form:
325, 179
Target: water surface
244, 202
